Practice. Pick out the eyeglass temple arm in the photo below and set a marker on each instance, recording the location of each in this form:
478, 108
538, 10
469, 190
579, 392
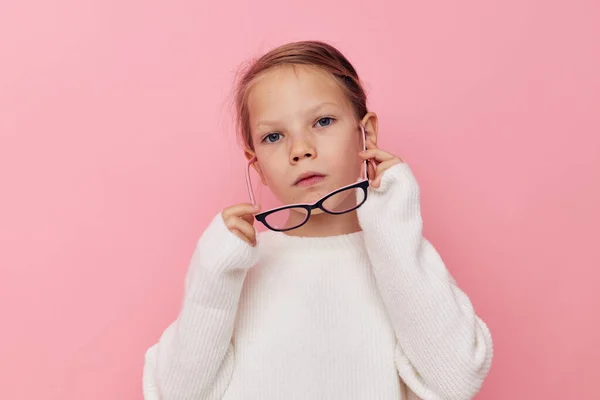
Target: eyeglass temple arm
248, 181
366, 163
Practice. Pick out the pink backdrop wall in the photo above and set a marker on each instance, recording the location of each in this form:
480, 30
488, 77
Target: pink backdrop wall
116, 149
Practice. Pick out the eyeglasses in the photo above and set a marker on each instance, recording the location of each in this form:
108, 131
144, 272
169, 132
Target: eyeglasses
340, 201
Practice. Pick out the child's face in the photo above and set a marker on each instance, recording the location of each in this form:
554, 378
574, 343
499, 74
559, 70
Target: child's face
301, 121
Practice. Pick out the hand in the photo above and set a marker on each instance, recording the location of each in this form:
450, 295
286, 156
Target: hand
380, 161
239, 219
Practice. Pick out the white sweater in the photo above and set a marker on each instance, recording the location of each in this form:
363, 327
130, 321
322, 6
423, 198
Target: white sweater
367, 315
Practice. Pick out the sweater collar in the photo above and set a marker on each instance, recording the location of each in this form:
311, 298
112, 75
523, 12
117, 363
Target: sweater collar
281, 241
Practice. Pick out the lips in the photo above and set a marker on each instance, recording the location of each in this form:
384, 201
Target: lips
308, 178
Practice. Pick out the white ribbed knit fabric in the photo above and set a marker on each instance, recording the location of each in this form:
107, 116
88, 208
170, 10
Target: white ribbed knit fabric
367, 315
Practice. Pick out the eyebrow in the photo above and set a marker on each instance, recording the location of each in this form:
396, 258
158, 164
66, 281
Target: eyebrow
311, 110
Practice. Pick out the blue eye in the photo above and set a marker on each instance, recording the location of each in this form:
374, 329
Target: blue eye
272, 137
325, 121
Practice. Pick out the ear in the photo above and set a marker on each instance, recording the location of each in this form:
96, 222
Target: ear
250, 154
370, 123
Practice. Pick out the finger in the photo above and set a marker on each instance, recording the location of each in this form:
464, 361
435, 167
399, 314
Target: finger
240, 209
249, 218
240, 235
377, 154
381, 168
386, 165
244, 227
371, 170
376, 182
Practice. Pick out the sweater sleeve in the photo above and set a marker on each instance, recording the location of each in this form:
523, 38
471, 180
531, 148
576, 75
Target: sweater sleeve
193, 358
443, 349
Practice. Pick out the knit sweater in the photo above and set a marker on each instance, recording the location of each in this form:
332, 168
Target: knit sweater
373, 314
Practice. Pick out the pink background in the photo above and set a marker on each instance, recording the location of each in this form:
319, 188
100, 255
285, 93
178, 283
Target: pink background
116, 150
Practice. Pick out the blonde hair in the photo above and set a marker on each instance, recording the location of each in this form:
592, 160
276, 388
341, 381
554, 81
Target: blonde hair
309, 53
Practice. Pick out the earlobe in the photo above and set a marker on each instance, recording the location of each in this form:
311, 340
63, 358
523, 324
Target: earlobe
251, 155
370, 123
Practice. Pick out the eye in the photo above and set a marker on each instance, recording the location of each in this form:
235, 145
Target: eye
272, 137
325, 121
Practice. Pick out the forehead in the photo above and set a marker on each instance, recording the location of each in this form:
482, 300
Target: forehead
288, 91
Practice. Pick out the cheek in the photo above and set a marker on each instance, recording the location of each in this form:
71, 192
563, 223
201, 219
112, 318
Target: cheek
272, 179
279, 186
344, 159
351, 169
275, 177
268, 166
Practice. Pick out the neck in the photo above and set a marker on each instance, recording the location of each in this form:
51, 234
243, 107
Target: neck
324, 224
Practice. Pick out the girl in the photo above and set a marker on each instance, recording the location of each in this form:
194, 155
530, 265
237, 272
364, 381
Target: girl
342, 297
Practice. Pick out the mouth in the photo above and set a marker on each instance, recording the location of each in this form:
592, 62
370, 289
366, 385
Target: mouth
309, 179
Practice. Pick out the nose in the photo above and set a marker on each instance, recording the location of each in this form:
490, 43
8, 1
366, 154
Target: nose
303, 147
